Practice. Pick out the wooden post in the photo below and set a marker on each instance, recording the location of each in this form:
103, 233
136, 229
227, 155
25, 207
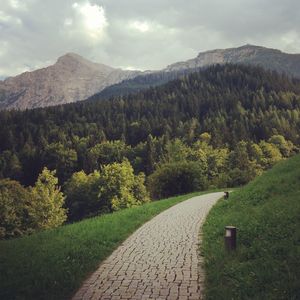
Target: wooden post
230, 238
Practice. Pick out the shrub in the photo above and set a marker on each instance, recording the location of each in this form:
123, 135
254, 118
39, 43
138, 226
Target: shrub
119, 187
82, 195
14, 202
46, 208
114, 188
176, 178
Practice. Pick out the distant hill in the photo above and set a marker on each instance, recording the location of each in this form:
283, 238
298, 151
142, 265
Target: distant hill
70, 79
271, 59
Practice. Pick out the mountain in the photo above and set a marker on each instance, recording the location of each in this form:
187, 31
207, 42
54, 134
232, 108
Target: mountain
248, 54
70, 79
74, 78
271, 59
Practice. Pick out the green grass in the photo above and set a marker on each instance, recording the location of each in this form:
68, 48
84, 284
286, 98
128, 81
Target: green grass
52, 264
266, 264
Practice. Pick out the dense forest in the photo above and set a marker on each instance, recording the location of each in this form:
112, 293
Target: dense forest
231, 103
218, 127
141, 82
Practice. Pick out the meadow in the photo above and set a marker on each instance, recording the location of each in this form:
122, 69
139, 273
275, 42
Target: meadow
266, 263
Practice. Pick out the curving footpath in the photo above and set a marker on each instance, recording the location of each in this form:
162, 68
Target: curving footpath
159, 261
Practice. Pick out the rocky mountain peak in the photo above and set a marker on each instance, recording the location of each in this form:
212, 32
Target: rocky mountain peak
71, 78
71, 59
268, 58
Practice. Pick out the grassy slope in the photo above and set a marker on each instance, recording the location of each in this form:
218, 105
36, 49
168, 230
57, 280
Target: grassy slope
266, 264
52, 264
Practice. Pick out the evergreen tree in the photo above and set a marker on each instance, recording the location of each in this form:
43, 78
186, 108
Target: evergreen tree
46, 209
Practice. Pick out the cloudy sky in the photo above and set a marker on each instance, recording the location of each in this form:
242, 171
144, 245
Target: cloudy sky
139, 34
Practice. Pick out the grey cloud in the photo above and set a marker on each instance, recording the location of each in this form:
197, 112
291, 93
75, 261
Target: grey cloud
177, 30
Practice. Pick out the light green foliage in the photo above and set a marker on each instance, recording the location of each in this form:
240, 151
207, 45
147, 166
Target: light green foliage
271, 154
242, 168
113, 188
255, 152
285, 147
175, 151
198, 153
14, 202
46, 209
217, 162
205, 137
213, 161
117, 186
106, 153
24, 210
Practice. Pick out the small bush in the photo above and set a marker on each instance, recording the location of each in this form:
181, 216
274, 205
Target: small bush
175, 179
14, 201
114, 188
24, 210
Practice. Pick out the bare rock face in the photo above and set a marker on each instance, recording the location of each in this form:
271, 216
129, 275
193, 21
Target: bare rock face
71, 78
255, 55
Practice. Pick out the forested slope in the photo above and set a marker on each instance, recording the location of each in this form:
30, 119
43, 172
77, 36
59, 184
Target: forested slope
230, 102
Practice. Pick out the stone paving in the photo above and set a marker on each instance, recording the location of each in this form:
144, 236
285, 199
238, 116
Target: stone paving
159, 261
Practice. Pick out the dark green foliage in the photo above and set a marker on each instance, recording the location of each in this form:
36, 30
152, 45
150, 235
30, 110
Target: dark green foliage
266, 264
232, 103
14, 202
82, 192
176, 178
140, 83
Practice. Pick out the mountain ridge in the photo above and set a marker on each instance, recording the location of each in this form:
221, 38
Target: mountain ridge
70, 79
251, 54
73, 78
268, 58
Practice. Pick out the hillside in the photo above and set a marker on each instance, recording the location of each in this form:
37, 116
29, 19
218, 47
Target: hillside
230, 102
71, 78
266, 264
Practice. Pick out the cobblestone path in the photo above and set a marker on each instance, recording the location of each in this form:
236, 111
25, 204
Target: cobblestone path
159, 261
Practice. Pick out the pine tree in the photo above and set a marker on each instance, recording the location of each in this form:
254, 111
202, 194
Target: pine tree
46, 210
